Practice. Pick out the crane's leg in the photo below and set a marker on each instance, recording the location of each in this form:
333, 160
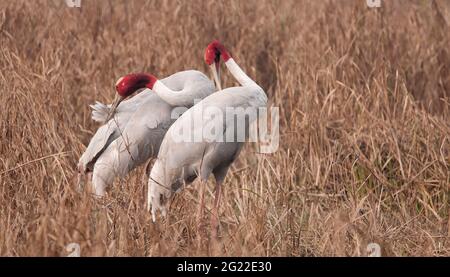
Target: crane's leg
82, 175
219, 174
215, 215
201, 226
87, 180
80, 181
205, 171
201, 208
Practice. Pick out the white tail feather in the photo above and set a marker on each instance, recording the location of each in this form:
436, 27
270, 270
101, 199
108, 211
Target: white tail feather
100, 112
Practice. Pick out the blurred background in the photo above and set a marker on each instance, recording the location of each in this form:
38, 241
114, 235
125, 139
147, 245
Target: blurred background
364, 120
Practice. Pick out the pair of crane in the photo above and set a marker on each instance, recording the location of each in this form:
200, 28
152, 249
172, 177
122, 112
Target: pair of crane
142, 127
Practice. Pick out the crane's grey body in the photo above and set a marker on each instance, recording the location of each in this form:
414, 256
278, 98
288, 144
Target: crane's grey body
135, 133
180, 162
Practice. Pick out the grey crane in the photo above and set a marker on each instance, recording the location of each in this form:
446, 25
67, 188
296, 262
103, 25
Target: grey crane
181, 161
134, 129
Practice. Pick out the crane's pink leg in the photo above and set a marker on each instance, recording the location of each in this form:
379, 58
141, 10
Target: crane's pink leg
89, 176
201, 216
201, 209
215, 215
219, 174
79, 182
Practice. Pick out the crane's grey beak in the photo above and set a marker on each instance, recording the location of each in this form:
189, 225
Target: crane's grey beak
215, 68
114, 106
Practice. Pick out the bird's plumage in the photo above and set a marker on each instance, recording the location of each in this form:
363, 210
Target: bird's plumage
180, 162
135, 133
101, 111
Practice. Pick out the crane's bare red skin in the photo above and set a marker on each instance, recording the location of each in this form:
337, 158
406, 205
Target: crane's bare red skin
133, 82
215, 51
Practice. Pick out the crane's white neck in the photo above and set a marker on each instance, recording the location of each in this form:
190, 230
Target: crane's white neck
239, 74
173, 98
246, 81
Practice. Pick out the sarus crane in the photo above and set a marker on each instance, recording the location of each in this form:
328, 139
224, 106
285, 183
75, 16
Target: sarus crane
134, 129
180, 162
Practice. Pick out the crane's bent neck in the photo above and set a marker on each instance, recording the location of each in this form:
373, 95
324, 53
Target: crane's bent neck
171, 97
246, 81
239, 74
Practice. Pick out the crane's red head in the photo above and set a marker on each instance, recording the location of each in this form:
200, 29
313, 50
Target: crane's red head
214, 51
130, 83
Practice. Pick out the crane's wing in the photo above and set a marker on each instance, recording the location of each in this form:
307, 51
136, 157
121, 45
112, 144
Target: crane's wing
111, 130
196, 121
101, 139
140, 139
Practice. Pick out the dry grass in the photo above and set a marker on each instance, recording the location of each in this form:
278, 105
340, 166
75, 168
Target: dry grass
365, 134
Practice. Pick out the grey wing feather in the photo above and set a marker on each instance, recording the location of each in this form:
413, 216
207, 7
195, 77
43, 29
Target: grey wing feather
101, 139
141, 137
112, 129
188, 153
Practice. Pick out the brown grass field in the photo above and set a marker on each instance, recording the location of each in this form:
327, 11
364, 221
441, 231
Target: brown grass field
364, 98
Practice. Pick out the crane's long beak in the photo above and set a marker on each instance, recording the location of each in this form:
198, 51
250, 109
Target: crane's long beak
114, 106
215, 68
